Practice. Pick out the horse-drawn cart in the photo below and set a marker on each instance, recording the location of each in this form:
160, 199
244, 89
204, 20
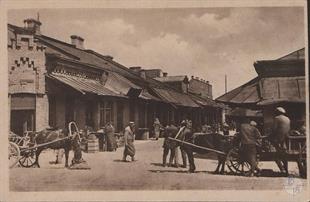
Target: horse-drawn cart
295, 152
234, 158
23, 149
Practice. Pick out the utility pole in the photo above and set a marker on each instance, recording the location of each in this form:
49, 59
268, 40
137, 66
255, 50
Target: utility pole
225, 83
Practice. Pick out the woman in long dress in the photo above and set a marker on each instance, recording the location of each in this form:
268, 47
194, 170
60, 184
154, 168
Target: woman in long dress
129, 138
157, 127
111, 142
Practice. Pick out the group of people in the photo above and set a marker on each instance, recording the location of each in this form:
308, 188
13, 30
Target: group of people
251, 139
172, 131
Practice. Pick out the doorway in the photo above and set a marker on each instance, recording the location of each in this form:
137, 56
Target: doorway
22, 121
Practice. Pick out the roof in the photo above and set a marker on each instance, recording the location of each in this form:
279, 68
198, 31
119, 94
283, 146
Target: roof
281, 80
245, 94
93, 58
267, 91
119, 84
147, 96
180, 78
83, 85
296, 55
292, 64
120, 81
206, 101
175, 97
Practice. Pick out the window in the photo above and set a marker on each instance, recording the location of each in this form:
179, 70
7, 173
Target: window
106, 112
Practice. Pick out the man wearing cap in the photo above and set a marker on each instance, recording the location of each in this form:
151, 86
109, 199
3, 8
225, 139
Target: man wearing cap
129, 138
280, 131
250, 138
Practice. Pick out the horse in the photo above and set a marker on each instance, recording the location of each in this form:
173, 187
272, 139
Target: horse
213, 141
51, 139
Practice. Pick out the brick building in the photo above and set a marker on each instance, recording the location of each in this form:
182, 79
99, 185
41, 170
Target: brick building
52, 82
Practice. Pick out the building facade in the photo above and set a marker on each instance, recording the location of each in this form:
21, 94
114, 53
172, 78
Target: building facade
52, 82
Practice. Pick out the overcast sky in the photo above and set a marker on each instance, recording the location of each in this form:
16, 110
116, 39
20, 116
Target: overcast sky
204, 42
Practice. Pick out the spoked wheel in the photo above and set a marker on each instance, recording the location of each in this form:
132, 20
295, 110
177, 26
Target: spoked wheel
28, 159
14, 154
235, 162
302, 163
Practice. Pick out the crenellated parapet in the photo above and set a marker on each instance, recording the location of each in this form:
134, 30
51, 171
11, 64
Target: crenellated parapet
26, 63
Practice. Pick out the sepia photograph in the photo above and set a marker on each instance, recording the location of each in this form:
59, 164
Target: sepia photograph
163, 98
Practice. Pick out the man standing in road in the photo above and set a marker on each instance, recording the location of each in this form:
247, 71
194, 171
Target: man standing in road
250, 136
188, 135
280, 131
169, 145
129, 138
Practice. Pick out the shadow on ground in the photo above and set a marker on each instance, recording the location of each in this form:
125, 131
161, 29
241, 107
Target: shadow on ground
175, 171
157, 164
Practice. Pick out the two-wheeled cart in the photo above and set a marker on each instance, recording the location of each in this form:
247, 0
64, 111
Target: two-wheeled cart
295, 152
22, 149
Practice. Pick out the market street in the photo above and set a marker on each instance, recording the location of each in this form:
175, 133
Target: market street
108, 172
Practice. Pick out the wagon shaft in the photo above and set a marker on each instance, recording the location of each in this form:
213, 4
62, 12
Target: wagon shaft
200, 147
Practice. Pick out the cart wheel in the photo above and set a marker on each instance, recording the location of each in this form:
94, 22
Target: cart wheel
302, 163
235, 163
14, 154
28, 159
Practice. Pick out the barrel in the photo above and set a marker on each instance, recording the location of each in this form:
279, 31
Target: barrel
93, 145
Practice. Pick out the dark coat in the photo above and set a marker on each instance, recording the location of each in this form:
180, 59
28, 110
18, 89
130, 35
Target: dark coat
249, 134
170, 131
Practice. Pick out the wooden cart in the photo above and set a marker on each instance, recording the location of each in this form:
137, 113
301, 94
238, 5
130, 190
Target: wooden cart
22, 149
296, 152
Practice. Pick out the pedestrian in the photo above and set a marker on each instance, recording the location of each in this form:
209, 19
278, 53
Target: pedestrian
280, 131
250, 138
187, 133
129, 138
170, 131
111, 141
157, 127
225, 128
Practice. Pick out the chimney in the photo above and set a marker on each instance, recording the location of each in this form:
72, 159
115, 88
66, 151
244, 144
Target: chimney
165, 74
109, 57
77, 41
143, 74
33, 25
135, 69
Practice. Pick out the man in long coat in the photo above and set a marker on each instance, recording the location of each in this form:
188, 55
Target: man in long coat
129, 138
250, 138
280, 131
